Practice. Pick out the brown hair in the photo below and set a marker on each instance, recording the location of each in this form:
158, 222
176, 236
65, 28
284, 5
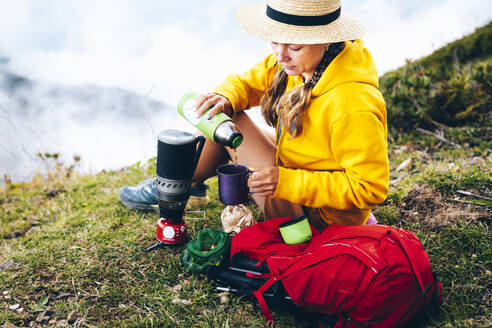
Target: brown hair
293, 103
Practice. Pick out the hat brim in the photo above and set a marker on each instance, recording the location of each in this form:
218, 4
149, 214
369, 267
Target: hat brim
253, 19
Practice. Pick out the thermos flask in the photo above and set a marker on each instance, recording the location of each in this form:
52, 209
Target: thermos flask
220, 128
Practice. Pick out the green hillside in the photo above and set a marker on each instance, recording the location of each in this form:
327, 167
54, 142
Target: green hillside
475, 47
72, 255
451, 87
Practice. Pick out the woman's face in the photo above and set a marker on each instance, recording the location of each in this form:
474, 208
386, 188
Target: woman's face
299, 59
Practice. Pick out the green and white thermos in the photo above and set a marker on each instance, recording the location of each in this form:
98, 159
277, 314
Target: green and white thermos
220, 128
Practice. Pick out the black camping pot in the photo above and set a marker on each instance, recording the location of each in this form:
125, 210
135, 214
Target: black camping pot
177, 157
177, 154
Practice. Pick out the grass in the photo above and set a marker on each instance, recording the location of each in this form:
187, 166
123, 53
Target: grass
71, 254
71, 249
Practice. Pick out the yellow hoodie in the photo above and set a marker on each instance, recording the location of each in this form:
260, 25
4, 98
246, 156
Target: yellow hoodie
339, 163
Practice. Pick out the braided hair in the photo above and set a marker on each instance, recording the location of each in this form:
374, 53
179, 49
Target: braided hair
291, 105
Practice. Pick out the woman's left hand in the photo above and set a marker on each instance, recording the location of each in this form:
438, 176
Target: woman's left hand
215, 101
263, 181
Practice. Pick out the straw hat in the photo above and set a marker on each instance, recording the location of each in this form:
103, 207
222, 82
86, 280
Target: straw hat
299, 21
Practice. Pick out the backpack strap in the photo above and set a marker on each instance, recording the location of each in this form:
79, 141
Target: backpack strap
331, 250
340, 323
378, 231
309, 259
418, 266
261, 300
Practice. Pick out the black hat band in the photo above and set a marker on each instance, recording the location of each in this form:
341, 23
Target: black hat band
302, 20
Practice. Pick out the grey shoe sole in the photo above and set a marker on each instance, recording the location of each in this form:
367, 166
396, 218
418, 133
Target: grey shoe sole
140, 206
198, 197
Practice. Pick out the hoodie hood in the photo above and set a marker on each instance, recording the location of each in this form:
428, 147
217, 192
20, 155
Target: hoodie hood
353, 64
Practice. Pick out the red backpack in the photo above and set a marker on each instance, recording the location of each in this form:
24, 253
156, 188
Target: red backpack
369, 276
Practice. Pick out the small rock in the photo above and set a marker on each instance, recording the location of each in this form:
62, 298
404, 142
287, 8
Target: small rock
42, 316
9, 325
177, 288
14, 307
224, 297
32, 230
72, 316
478, 161
6, 265
181, 301
404, 164
20, 310
5, 292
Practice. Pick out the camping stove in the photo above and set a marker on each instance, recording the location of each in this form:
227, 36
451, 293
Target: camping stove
177, 157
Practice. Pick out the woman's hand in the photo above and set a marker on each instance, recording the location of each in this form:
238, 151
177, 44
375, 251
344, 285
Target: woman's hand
263, 182
218, 102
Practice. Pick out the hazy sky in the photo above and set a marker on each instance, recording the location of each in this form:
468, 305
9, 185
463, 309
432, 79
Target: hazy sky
166, 48
160, 49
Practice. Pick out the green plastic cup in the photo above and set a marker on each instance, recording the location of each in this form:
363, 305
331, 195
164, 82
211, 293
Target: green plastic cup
296, 231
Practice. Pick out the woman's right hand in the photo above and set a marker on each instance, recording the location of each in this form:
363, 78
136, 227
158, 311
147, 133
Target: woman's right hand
218, 102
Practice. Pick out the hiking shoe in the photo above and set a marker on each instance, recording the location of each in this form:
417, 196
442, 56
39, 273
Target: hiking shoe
199, 190
198, 196
141, 197
144, 195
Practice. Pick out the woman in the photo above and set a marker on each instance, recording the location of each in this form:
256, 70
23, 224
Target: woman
319, 89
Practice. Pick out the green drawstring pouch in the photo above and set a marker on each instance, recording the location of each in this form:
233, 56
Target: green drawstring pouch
207, 249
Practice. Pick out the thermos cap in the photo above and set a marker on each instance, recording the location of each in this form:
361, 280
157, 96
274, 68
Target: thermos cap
175, 137
235, 139
227, 134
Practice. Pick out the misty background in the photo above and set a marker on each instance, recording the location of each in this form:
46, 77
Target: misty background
98, 80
